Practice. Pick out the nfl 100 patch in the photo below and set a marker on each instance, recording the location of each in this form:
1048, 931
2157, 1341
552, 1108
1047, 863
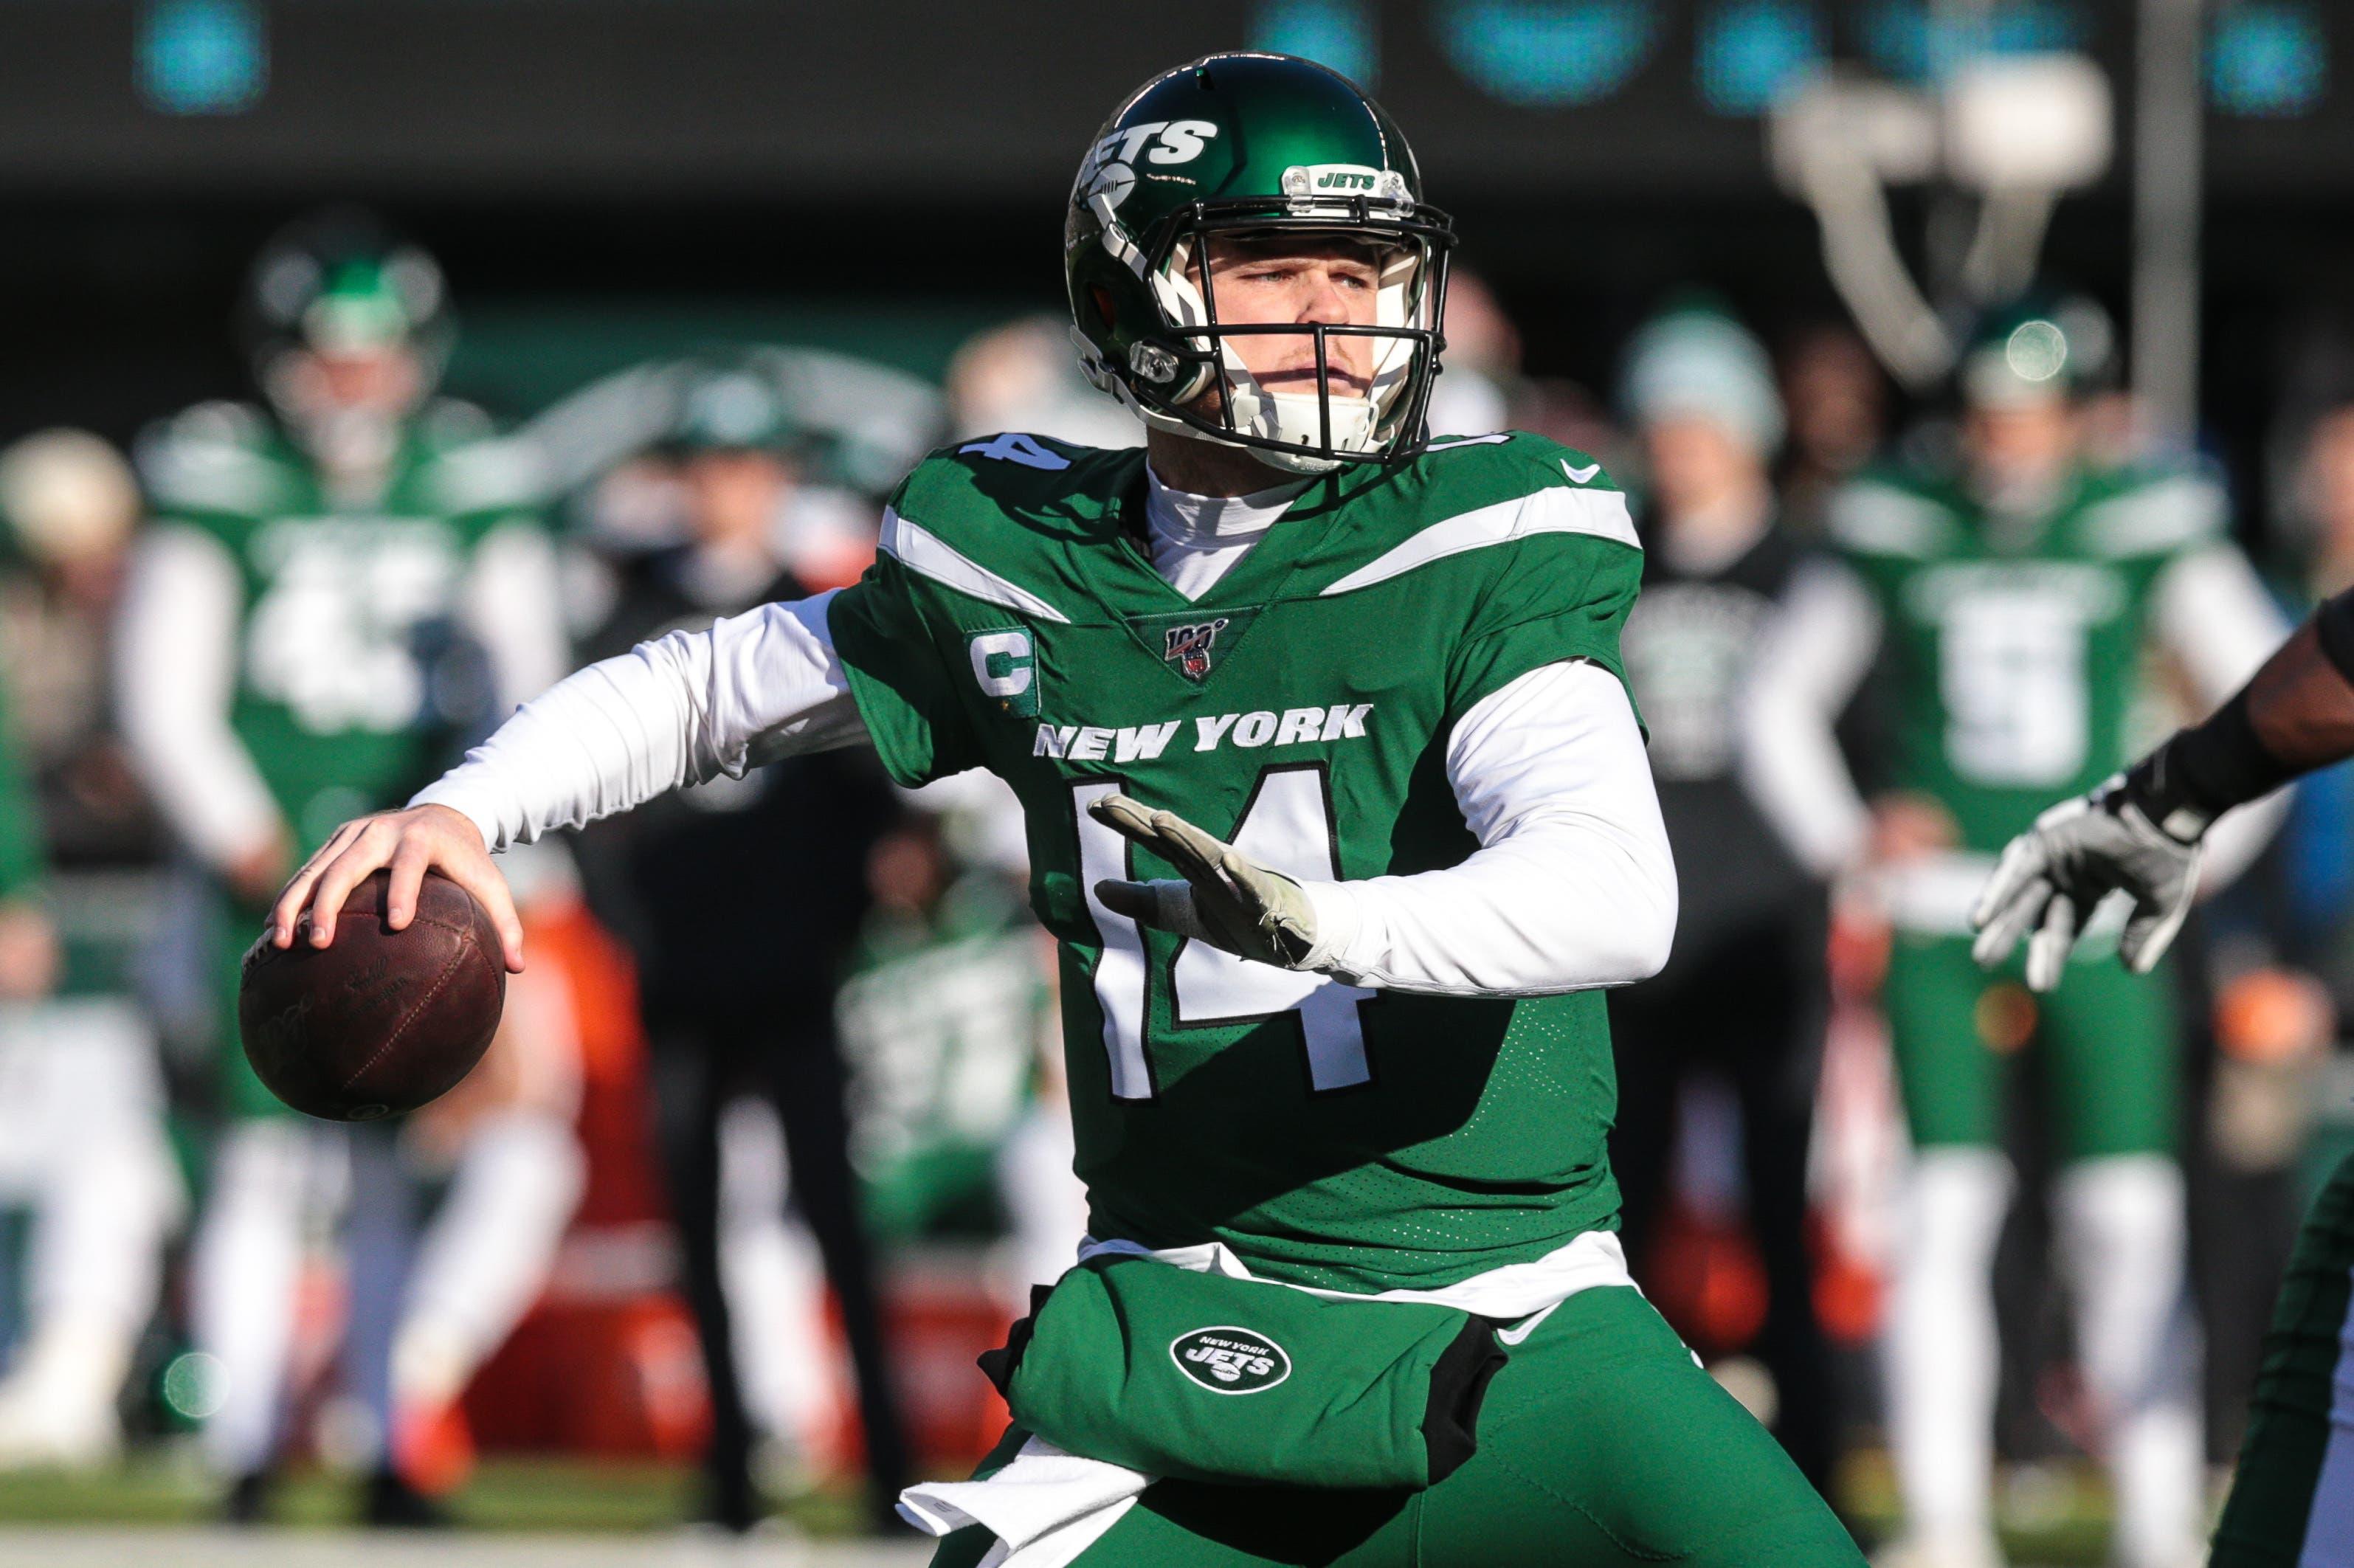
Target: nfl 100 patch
1194, 642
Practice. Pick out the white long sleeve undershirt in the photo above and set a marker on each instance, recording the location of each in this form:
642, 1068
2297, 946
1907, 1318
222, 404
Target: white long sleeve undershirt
175, 658
1573, 886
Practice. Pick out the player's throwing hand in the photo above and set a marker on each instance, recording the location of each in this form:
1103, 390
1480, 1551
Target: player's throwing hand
413, 842
2052, 876
1227, 899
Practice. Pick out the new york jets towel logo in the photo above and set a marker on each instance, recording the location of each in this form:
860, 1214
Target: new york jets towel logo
1230, 1359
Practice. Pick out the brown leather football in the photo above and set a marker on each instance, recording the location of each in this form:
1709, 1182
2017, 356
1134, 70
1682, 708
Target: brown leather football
380, 1022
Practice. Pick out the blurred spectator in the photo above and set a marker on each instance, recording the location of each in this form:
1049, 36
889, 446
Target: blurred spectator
82, 1136
1838, 401
1745, 993
740, 898
332, 599
1025, 376
1479, 373
2007, 602
71, 503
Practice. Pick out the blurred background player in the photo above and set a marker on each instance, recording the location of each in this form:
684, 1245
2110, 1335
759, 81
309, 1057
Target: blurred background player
739, 900
1745, 994
2007, 601
331, 597
2136, 841
83, 1147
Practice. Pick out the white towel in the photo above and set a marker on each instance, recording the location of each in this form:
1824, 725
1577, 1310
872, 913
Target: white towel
1045, 1507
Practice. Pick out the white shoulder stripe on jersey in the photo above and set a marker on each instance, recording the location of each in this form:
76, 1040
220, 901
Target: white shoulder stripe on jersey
1886, 521
211, 476
1553, 510
2166, 515
921, 552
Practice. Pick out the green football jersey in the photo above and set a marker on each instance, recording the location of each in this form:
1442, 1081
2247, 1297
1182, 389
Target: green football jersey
1299, 708
347, 696
2015, 649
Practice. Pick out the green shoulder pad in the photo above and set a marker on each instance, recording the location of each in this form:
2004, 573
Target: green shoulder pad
1482, 470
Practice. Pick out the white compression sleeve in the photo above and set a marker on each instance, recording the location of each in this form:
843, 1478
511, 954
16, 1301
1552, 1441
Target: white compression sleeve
1573, 886
684, 708
176, 654
1814, 654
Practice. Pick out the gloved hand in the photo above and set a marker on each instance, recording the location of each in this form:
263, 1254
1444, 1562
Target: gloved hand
2051, 877
1227, 899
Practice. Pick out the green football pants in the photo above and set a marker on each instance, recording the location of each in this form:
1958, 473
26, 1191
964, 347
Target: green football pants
1602, 1445
2292, 1503
2106, 1039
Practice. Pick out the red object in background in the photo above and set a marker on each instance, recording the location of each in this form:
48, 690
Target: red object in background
1704, 1276
608, 1362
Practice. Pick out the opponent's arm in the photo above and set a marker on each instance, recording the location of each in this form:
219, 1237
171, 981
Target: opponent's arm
176, 656
2213, 615
752, 688
1573, 886
2141, 833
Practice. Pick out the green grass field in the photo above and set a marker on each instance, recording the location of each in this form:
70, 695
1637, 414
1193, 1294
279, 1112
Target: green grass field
507, 1495
2053, 1516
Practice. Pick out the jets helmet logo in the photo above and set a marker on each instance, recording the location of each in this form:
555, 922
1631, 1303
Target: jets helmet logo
1188, 647
1230, 1359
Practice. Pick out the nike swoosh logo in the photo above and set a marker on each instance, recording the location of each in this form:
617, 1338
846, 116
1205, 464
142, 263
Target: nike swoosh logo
1526, 1326
1580, 475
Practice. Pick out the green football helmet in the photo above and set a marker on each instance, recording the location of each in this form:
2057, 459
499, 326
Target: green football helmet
1252, 145
341, 282
2042, 344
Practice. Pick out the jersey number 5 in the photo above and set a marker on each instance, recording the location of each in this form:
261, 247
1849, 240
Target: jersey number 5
1287, 825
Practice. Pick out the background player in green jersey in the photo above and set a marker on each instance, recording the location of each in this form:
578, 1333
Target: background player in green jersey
331, 597
2007, 607
1336, 806
2136, 841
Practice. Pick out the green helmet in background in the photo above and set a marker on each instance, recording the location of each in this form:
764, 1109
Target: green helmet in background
1252, 145
2042, 344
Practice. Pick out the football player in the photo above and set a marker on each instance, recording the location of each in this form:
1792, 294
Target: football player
2007, 606
1336, 804
2139, 837
330, 595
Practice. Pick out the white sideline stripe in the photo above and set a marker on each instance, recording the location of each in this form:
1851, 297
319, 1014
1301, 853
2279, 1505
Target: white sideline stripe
1556, 510
921, 552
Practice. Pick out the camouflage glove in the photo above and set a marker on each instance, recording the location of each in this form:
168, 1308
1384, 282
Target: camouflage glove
1226, 899
2077, 854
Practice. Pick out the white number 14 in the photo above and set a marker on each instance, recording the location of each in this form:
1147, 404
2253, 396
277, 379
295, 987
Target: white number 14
1287, 826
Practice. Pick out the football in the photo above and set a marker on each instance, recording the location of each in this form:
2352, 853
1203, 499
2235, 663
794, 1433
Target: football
381, 1022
